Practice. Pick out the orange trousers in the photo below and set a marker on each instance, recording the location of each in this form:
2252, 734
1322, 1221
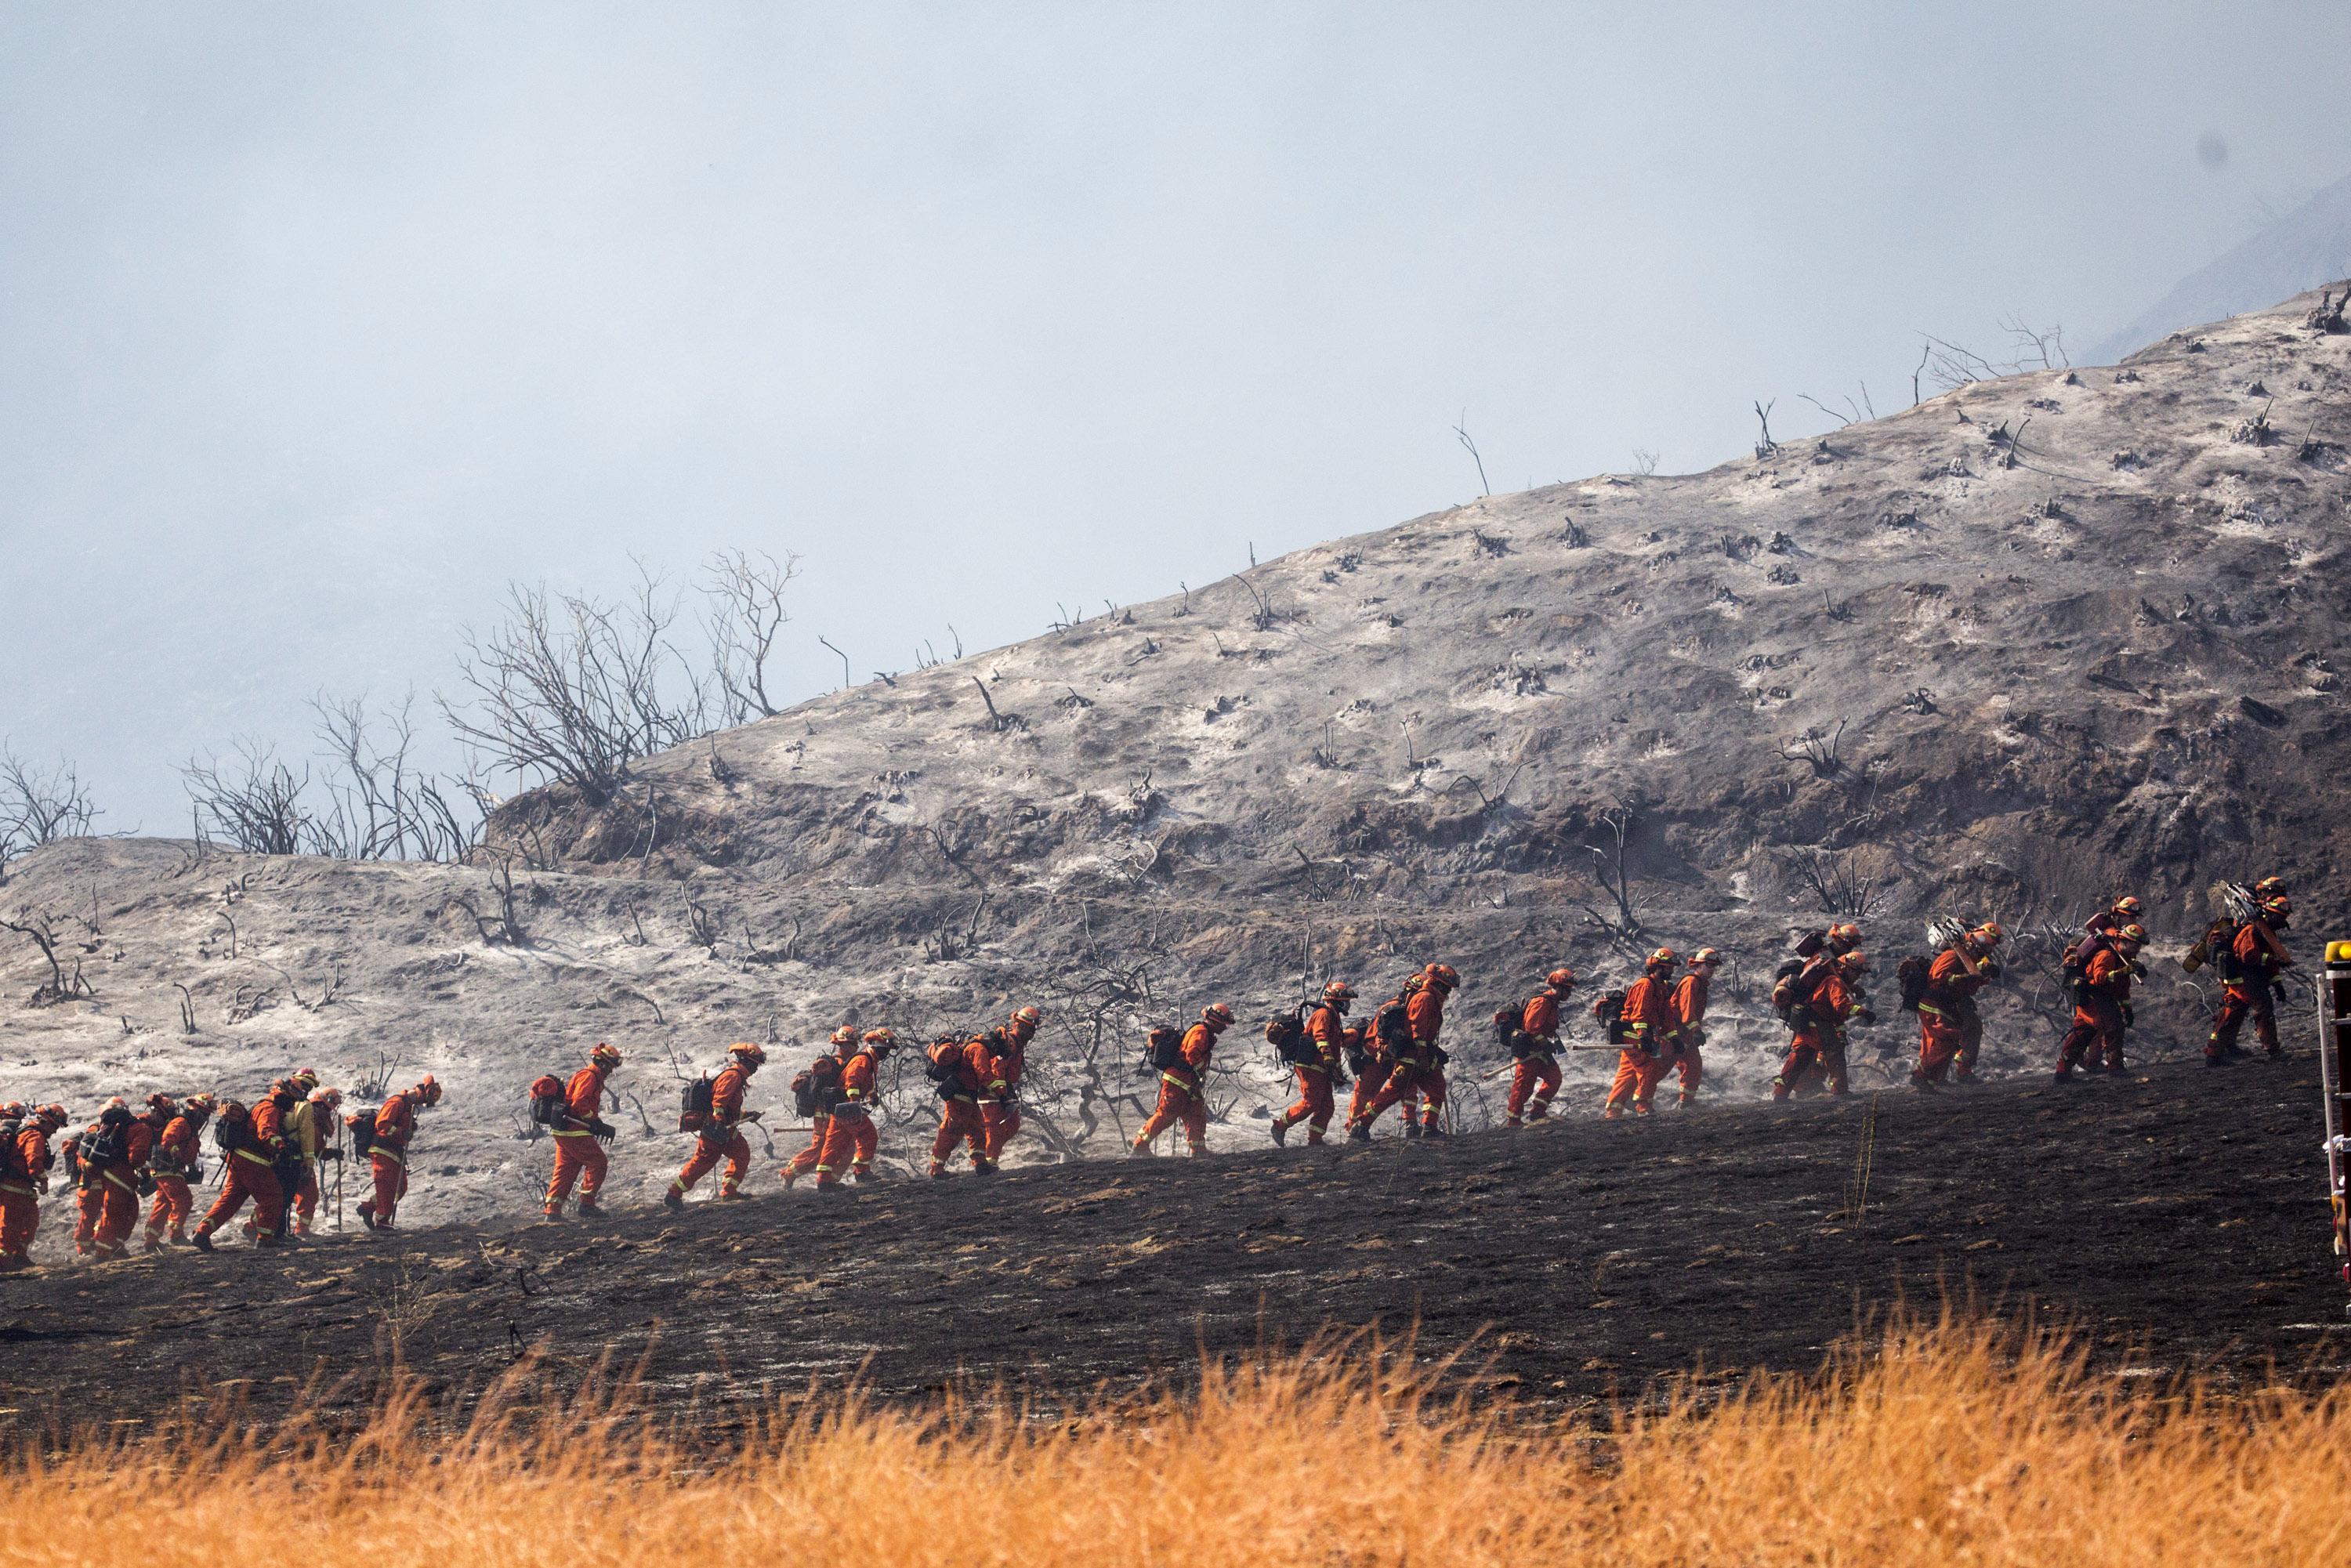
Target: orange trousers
707, 1151
242, 1178
1410, 1081
2252, 999
1377, 1071
849, 1140
805, 1161
1693, 1072
109, 1211
578, 1157
1637, 1075
1315, 1104
391, 1173
1180, 1100
173, 1203
2098, 1032
306, 1197
960, 1123
1813, 1052
1532, 1083
1001, 1120
20, 1221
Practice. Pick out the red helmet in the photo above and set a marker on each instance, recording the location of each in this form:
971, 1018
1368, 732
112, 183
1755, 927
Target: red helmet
327, 1099
1664, 958
2132, 933
1845, 935
1855, 961
881, 1042
1029, 1016
1560, 979
1445, 974
50, 1118
1705, 955
1989, 935
163, 1105
750, 1055
1339, 991
427, 1091
1217, 1014
605, 1056
845, 1035
2127, 906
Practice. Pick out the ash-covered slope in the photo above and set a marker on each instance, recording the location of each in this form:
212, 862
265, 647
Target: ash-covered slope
2005, 653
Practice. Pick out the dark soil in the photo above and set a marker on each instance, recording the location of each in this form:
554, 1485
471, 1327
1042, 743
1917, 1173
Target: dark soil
2174, 1218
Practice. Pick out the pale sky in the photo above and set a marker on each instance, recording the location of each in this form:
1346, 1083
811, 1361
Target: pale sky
318, 323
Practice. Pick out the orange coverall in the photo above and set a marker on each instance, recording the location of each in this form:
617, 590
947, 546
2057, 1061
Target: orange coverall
23, 1172
579, 1154
1690, 1033
1000, 1112
177, 1155
1182, 1094
721, 1138
1536, 1077
396, 1124
1819, 1045
850, 1137
108, 1199
1949, 1028
1648, 1030
2099, 1021
1326, 1026
2250, 996
1416, 1072
960, 1121
250, 1172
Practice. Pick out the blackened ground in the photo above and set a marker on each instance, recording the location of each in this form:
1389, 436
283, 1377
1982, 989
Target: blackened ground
2174, 1217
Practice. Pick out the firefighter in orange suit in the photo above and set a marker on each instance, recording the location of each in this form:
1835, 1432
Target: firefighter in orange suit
850, 1138
581, 1133
1535, 1077
1326, 1031
720, 1137
1648, 1025
1184, 1092
395, 1127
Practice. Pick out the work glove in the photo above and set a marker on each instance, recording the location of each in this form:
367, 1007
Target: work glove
146, 1185
750, 1115
602, 1130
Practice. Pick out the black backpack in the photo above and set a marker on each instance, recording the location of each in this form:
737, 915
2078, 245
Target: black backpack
1516, 1040
362, 1123
104, 1143
1164, 1047
1912, 973
2218, 948
11, 1158
232, 1127
1793, 986
693, 1103
1286, 1032
546, 1100
1392, 1026
1609, 1008
814, 1090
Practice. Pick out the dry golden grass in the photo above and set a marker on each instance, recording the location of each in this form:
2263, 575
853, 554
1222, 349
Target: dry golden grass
1940, 1444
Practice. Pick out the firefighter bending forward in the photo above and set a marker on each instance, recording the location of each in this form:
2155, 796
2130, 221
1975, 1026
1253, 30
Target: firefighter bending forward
395, 1127
850, 1137
1326, 1030
720, 1137
1183, 1091
1535, 1077
581, 1134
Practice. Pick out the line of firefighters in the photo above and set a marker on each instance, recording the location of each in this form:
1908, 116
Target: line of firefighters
273, 1152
